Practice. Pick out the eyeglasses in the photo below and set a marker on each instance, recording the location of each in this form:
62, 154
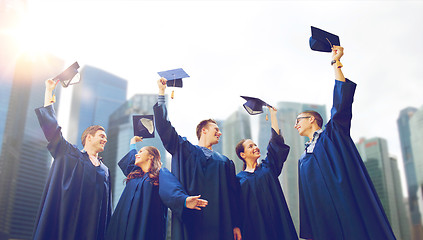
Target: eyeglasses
299, 118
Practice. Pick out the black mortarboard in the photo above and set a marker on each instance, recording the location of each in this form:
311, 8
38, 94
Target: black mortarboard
254, 105
323, 41
143, 126
174, 77
69, 76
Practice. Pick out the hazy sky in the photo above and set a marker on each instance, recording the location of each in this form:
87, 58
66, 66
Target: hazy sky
253, 48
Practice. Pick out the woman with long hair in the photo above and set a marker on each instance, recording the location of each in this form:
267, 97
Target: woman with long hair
140, 213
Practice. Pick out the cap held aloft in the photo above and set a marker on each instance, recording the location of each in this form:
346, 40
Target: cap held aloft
174, 78
323, 41
143, 125
70, 76
255, 105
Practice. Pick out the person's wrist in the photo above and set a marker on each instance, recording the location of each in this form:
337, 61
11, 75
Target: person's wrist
336, 63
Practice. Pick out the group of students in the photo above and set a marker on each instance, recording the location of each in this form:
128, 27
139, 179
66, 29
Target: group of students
207, 200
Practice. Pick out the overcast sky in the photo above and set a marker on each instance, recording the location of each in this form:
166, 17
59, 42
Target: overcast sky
253, 48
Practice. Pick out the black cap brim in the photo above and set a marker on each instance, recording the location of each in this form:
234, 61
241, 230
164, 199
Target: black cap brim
69, 76
323, 41
254, 105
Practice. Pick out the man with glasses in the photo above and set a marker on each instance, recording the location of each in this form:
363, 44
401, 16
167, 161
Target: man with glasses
337, 197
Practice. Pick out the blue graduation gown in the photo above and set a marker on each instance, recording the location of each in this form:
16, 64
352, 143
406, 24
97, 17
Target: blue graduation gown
337, 198
214, 178
264, 209
76, 202
140, 213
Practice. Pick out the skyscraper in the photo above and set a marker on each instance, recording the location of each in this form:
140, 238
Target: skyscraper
407, 145
119, 133
402, 210
237, 126
94, 98
385, 178
287, 113
24, 159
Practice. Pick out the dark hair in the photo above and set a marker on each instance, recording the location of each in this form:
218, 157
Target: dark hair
239, 149
202, 125
153, 173
90, 130
316, 116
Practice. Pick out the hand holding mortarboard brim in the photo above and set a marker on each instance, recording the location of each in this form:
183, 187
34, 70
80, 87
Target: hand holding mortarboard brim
174, 77
70, 76
143, 125
323, 41
255, 105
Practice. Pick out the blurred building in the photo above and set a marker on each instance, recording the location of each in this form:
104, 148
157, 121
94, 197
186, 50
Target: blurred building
384, 174
119, 133
236, 127
94, 98
24, 159
409, 148
287, 114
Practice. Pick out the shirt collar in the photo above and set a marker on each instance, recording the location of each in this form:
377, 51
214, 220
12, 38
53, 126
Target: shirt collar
310, 144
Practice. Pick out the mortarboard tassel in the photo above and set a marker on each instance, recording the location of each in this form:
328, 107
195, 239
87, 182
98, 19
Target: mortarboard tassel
173, 94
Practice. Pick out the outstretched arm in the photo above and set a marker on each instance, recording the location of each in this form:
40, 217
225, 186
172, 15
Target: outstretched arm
274, 119
48, 94
337, 53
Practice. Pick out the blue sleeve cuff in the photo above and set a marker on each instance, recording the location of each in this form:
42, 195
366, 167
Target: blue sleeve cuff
132, 147
185, 203
161, 100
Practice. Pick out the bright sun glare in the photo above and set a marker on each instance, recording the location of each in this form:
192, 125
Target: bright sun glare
31, 33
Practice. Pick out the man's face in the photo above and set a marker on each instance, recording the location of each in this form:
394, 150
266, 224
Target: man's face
98, 141
251, 151
212, 133
303, 124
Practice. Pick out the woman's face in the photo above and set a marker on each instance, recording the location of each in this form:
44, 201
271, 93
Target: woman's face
142, 156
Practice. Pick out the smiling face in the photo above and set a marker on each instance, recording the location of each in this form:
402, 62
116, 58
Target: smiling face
212, 133
303, 124
98, 141
143, 157
251, 151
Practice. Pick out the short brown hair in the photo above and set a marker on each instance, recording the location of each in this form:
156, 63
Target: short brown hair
202, 125
239, 149
316, 116
90, 130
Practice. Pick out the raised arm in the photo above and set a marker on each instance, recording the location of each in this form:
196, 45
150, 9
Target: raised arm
274, 119
167, 132
48, 122
127, 163
48, 94
343, 96
337, 53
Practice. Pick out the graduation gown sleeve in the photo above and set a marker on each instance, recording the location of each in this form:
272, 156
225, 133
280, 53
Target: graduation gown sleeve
172, 193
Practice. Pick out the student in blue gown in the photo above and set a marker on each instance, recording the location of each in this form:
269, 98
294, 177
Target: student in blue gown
140, 213
76, 203
200, 171
264, 209
337, 198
